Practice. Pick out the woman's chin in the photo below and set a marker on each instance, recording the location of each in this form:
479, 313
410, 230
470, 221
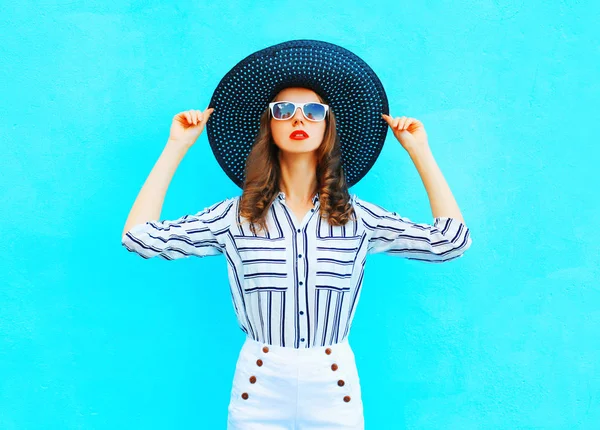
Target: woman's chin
299, 146
298, 150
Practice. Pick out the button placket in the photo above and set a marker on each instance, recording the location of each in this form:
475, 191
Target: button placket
300, 269
302, 306
335, 368
253, 378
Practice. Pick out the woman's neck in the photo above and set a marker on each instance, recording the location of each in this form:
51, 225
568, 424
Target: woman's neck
298, 177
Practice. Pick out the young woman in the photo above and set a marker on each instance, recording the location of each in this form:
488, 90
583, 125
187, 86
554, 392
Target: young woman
296, 241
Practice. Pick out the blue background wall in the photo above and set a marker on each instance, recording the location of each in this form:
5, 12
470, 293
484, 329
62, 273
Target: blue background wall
93, 337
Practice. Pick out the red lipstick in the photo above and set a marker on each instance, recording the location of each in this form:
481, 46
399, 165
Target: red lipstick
298, 135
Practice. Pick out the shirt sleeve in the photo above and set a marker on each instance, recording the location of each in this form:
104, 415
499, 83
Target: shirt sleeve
448, 238
199, 234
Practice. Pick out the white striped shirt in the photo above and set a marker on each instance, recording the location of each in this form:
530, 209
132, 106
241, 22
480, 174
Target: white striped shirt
298, 284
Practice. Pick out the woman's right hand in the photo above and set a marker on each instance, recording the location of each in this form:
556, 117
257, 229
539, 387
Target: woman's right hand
188, 125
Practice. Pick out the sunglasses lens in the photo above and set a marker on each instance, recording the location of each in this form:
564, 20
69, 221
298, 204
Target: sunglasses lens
283, 110
314, 111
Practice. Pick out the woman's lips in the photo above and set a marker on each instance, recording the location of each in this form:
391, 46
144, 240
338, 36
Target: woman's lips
298, 135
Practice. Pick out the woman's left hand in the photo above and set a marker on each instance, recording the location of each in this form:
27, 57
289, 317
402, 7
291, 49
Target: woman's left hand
410, 132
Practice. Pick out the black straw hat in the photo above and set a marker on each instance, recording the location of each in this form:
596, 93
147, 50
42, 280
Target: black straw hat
345, 82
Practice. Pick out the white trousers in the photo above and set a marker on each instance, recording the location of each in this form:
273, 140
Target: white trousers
277, 388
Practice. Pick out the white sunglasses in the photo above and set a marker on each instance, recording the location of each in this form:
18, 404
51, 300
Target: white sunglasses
312, 111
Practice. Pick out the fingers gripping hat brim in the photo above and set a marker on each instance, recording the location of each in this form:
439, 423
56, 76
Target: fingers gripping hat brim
347, 83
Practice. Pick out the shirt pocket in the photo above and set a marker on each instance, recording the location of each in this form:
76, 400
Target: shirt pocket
264, 261
335, 261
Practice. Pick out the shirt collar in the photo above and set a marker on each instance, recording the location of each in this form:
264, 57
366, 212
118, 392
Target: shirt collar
315, 199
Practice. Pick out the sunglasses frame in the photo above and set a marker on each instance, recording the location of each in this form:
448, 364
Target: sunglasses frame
296, 106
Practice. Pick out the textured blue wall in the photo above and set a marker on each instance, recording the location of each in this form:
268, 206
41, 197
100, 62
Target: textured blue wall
93, 337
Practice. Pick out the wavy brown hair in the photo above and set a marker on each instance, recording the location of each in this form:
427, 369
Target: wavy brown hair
263, 175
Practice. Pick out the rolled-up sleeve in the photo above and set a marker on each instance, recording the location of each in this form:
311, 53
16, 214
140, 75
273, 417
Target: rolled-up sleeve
447, 239
197, 235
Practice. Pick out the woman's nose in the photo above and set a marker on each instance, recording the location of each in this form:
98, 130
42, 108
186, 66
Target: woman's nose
298, 115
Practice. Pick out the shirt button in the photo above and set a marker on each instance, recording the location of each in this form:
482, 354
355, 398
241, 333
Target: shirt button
298, 230
300, 282
312, 210
301, 312
302, 340
299, 255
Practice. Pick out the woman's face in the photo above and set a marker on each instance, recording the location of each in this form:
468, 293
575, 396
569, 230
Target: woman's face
282, 130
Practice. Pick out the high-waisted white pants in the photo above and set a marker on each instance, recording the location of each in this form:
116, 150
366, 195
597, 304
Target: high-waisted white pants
277, 388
